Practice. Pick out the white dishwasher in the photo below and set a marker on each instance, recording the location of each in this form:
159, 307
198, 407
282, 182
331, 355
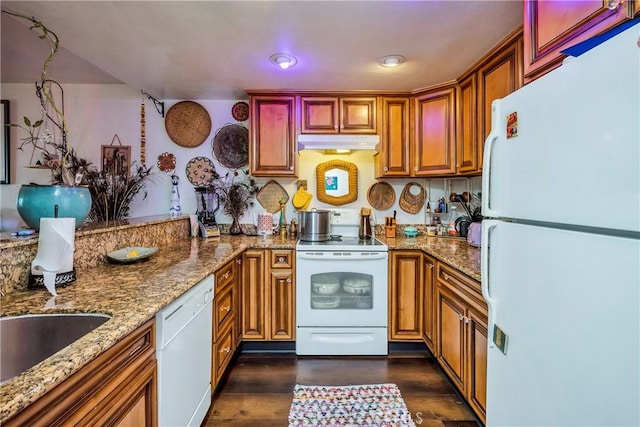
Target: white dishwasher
183, 350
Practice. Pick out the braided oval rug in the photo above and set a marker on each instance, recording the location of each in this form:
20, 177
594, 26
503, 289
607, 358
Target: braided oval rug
379, 405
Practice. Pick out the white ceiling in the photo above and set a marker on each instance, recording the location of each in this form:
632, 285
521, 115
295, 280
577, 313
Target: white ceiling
218, 49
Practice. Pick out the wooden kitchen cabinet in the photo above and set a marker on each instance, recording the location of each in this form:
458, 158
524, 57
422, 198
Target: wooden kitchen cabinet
498, 75
268, 295
551, 26
225, 305
461, 334
428, 302
272, 135
333, 114
405, 295
434, 132
467, 141
119, 387
393, 156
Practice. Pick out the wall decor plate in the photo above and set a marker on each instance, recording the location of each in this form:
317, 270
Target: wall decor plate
381, 195
412, 197
231, 146
240, 111
166, 162
201, 171
188, 124
270, 195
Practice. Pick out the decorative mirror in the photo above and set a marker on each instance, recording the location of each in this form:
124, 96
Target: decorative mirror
337, 182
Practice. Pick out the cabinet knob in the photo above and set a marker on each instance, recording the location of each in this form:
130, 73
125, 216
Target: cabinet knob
415, 168
226, 275
226, 308
430, 265
238, 261
446, 276
614, 4
386, 169
281, 259
290, 168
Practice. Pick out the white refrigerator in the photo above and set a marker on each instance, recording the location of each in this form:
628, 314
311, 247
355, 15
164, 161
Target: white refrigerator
561, 245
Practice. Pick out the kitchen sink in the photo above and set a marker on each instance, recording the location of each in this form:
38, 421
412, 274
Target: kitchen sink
27, 340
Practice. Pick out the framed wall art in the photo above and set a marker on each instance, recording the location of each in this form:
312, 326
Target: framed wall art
5, 153
116, 159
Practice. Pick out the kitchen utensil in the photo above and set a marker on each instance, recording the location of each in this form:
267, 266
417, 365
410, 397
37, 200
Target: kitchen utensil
302, 199
314, 225
365, 224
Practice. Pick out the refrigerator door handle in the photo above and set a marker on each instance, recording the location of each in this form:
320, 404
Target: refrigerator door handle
488, 149
487, 226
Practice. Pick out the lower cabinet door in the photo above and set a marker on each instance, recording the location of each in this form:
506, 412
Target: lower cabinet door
451, 326
477, 380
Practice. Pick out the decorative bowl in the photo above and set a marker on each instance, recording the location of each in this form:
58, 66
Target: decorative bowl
39, 201
410, 231
131, 254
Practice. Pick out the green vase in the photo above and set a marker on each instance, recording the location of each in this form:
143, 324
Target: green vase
40, 201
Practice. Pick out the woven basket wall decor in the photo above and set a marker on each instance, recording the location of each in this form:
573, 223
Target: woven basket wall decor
188, 124
412, 198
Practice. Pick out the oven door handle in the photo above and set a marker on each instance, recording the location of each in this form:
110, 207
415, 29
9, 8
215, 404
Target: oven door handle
341, 255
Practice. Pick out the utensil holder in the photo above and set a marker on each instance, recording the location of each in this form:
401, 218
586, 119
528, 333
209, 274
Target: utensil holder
390, 231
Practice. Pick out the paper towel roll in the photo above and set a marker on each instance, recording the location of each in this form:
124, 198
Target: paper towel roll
56, 244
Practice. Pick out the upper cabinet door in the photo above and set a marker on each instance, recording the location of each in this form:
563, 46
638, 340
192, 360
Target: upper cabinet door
553, 25
434, 137
319, 114
467, 126
498, 76
358, 115
272, 150
393, 156
327, 114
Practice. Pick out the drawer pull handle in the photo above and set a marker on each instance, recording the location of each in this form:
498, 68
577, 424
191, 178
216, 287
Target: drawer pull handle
446, 276
225, 350
226, 275
226, 308
430, 265
238, 261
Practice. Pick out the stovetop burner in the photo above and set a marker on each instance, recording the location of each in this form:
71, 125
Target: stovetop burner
344, 243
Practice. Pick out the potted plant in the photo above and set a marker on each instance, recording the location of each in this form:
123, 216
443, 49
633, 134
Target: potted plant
78, 189
236, 192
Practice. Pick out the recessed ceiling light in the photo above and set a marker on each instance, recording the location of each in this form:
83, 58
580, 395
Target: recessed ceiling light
283, 60
391, 61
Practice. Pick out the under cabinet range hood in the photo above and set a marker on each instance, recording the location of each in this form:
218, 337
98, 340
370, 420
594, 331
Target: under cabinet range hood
337, 142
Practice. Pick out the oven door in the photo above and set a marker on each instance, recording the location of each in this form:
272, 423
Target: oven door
335, 288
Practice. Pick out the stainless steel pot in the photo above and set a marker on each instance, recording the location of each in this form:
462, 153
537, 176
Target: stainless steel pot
314, 225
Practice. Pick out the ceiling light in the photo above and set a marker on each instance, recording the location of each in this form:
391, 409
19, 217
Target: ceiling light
391, 61
283, 60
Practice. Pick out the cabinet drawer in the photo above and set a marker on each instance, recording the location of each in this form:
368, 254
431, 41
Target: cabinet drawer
223, 350
223, 310
454, 279
224, 277
282, 258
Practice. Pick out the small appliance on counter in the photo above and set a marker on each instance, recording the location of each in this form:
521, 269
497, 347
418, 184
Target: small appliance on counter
208, 204
474, 234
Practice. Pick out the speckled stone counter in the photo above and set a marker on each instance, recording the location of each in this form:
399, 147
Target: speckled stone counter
455, 252
133, 293
130, 293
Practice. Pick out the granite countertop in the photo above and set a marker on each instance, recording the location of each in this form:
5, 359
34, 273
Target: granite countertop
453, 251
133, 293
130, 293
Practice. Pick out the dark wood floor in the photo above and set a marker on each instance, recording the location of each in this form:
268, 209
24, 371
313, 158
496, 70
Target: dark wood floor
258, 388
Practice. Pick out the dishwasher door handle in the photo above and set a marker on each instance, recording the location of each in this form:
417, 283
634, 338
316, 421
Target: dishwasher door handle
173, 312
